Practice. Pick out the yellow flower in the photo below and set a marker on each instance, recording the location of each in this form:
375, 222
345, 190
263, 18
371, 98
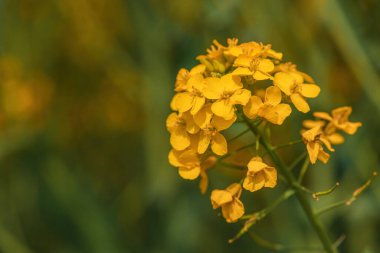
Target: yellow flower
314, 140
271, 109
339, 119
192, 99
210, 126
328, 132
292, 85
292, 68
227, 91
179, 126
219, 58
228, 200
188, 163
207, 164
184, 75
259, 175
258, 68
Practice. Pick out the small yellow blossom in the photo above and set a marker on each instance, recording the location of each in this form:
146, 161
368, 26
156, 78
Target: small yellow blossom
227, 91
257, 67
289, 67
179, 126
339, 119
184, 75
292, 85
259, 175
228, 200
210, 126
271, 109
187, 162
192, 99
329, 132
314, 140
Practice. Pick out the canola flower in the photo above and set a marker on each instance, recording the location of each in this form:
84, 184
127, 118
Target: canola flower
223, 88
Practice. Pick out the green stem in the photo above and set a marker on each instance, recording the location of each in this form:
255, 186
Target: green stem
239, 135
291, 143
331, 207
302, 199
303, 170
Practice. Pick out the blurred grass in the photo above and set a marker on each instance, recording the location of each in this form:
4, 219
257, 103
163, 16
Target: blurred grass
85, 87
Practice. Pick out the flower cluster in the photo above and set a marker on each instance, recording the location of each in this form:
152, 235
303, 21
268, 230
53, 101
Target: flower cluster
324, 132
212, 95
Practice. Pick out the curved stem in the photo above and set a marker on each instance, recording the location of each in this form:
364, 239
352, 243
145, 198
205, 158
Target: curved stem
302, 199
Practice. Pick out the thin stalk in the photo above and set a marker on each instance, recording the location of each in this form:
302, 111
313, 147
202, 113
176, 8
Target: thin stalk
303, 170
239, 135
331, 207
302, 199
291, 143
297, 160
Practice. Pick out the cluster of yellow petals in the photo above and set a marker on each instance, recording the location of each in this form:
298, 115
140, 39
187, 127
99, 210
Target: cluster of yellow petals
206, 102
323, 132
228, 200
259, 175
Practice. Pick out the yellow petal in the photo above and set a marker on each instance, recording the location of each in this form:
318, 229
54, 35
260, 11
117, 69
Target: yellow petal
326, 143
351, 127
256, 166
309, 90
265, 66
270, 177
310, 134
220, 197
322, 115
298, 79
284, 81
196, 82
221, 124
254, 182
335, 138
233, 211
173, 158
219, 144
234, 189
259, 75
171, 121
183, 101
222, 108
243, 61
179, 138
189, 174
323, 156
242, 72
313, 150
240, 97
191, 127
199, 69
300, 103
204, 142
198, 103
278, 114
203, 117
253, 106
231, 83
342, 113
189, 158
313, 123
213, 88
273, 95
273, 54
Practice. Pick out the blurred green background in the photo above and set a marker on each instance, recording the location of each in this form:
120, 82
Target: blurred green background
85, 87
